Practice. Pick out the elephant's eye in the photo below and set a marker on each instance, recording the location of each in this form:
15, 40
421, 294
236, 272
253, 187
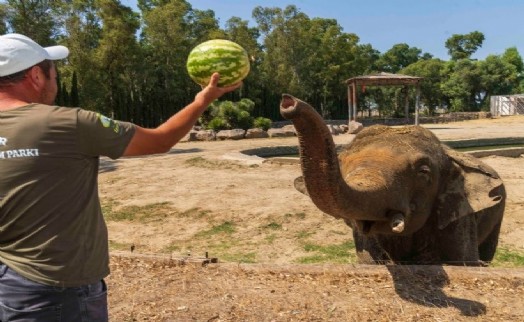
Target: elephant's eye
425, 169
424, 172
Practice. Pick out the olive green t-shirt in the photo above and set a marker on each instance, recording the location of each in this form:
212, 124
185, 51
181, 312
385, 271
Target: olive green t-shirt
51, 226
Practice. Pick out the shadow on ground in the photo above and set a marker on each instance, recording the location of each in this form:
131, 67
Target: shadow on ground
425, 287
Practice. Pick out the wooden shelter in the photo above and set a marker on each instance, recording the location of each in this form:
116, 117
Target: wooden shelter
382, 79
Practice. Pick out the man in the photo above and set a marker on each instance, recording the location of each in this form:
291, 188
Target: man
53, 238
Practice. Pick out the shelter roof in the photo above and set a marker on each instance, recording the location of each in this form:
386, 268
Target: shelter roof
384, 79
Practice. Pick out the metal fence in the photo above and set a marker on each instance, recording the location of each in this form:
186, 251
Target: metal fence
507, 105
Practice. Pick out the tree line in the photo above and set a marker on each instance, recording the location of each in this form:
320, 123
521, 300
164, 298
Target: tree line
130, 64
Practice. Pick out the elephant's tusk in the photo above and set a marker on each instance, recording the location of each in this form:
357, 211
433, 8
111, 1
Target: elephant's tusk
397, 223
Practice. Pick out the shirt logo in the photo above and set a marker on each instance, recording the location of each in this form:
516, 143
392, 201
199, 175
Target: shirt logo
17, 153
106, 121
109, 123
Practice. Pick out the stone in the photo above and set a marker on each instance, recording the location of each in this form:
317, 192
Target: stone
205, 135
234, 134
278, 133
354, 127
334, 129
256, 133
289, 129
189, 137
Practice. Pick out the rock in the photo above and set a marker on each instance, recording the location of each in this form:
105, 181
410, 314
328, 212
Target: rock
256, 133
234, 134
277, 133
205, 135
334, 129
354, 127
189, 137
289, 128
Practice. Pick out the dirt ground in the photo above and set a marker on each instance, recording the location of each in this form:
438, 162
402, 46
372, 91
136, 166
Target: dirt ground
204, 197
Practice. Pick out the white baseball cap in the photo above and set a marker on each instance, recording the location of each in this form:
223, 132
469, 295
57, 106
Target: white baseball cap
18, 52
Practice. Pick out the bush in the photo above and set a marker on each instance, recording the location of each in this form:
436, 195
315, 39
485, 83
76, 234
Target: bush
217, 124
263, 123
227, 115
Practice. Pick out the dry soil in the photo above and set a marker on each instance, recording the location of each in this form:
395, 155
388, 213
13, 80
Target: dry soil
166, 211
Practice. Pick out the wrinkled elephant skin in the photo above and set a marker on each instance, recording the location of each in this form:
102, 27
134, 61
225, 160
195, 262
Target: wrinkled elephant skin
408, 198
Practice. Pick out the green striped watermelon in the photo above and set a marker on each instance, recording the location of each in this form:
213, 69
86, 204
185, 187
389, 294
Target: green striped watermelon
227, 58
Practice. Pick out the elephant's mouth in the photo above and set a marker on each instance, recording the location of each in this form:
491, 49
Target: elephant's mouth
393, 224
365, 226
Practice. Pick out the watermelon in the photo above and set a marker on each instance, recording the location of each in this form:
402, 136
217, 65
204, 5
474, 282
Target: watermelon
227, 58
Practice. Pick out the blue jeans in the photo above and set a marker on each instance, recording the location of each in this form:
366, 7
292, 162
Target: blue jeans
25, 300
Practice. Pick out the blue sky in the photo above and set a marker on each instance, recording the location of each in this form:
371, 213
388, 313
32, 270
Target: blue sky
425, 24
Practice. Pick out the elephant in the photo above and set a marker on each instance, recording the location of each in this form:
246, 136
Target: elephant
408, 198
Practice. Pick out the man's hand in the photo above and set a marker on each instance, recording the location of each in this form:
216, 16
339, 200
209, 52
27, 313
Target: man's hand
212, 91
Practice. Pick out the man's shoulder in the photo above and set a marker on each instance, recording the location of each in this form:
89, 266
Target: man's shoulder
59, 112
55, 108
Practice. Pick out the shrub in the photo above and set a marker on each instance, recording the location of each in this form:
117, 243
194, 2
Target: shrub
263, 123
228, 115
217, 124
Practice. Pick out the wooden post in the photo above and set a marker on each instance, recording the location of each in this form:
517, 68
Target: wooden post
350, 107
417, 104
406, 102
354, 90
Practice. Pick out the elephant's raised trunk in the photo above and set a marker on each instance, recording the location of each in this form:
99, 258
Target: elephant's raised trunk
323, 179
318, 157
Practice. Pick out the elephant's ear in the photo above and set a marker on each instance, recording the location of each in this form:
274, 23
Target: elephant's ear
300, 185
470, 186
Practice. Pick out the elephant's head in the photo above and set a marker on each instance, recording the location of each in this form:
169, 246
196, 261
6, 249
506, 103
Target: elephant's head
389, 180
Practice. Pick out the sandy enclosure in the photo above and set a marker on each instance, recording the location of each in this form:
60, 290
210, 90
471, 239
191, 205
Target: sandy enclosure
198, 186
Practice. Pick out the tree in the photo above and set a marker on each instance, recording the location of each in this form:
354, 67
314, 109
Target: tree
460, 84
431, 71
497, 77
398, 57
512, 56
116, 56
82, 32
3, 19
74, 98
307, 57
34, 19
468, 84
144, 80
237, 30
463, 46
333, 57
171, 28
285, 44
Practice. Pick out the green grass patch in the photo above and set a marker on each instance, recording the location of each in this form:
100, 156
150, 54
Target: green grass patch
147, 213
227, 228
172, 248
214, 247
249, 258
341, 253
113, 245
228, 249
196, 213
505, 257
200, 162
273, 226
303, 234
